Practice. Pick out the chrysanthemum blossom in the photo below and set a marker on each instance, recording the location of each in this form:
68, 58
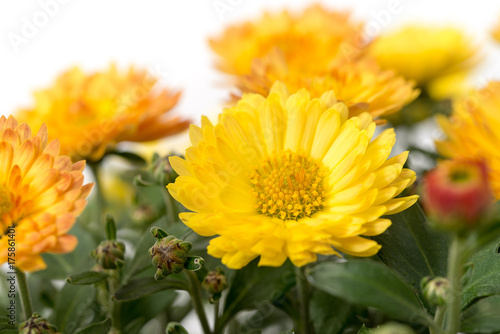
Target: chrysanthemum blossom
309, 40
360, 84
90, 113
288, 176
41, 194
437, 58
472, 131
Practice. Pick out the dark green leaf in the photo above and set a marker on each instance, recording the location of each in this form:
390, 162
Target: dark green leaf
367, 283
258, 288
194, 263
134, 326
483, 316
175, 328
70, 306
131, 157
329, 314
484, 274
86, 278
97, 328
411, 248
6, 328
145, 286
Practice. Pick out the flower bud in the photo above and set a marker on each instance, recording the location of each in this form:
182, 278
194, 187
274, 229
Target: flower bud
215, 281
457, 195
110, 254
394, 328
436, 291
37, 325
168, 254
162, 171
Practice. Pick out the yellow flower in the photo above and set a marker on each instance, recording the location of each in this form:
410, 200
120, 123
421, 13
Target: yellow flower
288, 176
495, 32
360, 84
309, 41
438, 59
41, 194
88, 113
472, 131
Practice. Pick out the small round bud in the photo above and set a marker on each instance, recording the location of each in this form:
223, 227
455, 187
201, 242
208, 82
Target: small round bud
215, 281
169, 255
436, 291
37, 325
162, 171
456, 194
110, 254
394, 328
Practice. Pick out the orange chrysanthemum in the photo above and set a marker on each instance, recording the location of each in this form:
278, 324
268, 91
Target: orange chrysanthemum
41, 194
360, 84
309, 41
90, 113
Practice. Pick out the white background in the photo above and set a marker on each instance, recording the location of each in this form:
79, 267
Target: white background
170, 39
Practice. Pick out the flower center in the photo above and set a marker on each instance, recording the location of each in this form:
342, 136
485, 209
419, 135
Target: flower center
289, 185
5, 200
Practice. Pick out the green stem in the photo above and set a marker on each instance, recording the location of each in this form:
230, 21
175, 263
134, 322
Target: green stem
216, 317
100, 202
195, 293
303, 293
114, 307
438, 319
455, 272
24, 293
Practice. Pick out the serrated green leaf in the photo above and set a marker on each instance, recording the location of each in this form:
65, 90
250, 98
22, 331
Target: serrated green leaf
483, 316
368, 283
71, 303
329, 314
146, 286
411, 248
98, 328
86, 278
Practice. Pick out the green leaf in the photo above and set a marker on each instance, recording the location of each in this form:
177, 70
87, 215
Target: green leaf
71, 305
131, 157
97, 328
146, 286
484, 275
254, 287
134, 326
175, 328
7, 329
366, 330
329, 314
194, 263
483, 316
86, 278
367, 283
411, 248
158, 233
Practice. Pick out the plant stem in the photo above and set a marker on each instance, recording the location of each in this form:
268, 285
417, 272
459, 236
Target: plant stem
100, 202
195, 293
24, 293
438, 319
455, 272
216, 317
303, 292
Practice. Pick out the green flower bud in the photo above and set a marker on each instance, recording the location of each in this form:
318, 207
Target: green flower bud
168, 254
37, 325
436, 291
162, 171
394, 328
110, 254
215, 281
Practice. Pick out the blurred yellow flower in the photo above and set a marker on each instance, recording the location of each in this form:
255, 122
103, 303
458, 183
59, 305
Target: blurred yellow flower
495, 32
88, 113
41, 194
288, 176
472, 131
438, 59
309, 41
360, 84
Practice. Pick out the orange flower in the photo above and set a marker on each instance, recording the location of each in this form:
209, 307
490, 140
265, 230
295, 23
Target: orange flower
41, 194
89, 113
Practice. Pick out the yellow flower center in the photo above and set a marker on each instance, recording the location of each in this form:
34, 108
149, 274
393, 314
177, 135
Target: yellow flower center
289, 185
5, 202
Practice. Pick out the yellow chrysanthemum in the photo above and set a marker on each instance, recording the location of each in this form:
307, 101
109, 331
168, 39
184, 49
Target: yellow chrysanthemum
438, 59
90, 113
41, 194
309, 41
288, 176
472, 131
360, 84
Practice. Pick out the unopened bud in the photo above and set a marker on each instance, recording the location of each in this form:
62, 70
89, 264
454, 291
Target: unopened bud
162, 171
457, 195
394, 328
215, 281
37, 325
110, 254
436, 291
169, 254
